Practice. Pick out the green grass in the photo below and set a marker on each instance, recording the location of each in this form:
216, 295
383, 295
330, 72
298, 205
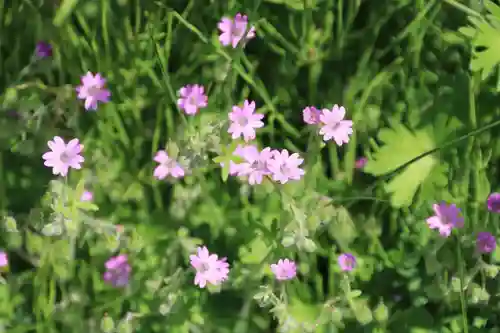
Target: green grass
400, 67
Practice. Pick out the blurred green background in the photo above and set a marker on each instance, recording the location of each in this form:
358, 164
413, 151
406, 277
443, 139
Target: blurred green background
401, 69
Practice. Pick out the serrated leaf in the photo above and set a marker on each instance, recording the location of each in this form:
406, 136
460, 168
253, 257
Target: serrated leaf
484, 33
255, 252
400, 146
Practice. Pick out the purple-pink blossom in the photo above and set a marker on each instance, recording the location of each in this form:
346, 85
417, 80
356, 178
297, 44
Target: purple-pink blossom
310, 115
284, 269
446, 218
209, 268
86, 196
235, 30
256, 165
117, 271
485, 242
43, 49
347, 262
333, 125
494, 202
4, 260
244, 121
361, 162
93, 90
63, 156
240, 151
285, 167
192, 98
167, 166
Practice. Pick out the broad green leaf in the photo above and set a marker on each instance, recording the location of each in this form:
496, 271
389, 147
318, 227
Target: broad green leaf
362, 312
484, 32
399, 146
255, 252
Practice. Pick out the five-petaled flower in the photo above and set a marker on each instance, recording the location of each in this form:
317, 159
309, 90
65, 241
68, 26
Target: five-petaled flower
234, 30
63, 156
93, 90
284, 269
43, 49
485, 242
192, 98
285, 167
244, 121
256, 164
446, 218
167, 166
86, 196
494, 202
347, 262
117, 271
4, 260
311, 115
333, 125
209, 268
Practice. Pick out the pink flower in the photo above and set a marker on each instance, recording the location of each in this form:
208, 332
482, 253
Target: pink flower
334, 126
244, 121
233, 31
86, 196
284, 269
494, 202
168, 166
241, 151
311, 115
117, 271
256, 165
361, 162
192, 98
447, 218
93, 90
285, 167
486, 242
208, 268
4, 260
347, 262
63, 156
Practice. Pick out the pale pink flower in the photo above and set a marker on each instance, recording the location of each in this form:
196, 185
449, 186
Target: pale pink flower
334, 126
63, 156
192, 98
93, 90
284, 269
240, 151
233, 31
117, 271
311, 115
244, 121
86, 196
209, 268
167, 166
285, 167
347, 262
255, 166
4, 260
447, 218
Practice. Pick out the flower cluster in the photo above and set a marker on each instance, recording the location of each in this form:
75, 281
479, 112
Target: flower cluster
448, 217
278, 165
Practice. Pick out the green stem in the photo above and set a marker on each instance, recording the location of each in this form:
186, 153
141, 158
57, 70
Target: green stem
463, 304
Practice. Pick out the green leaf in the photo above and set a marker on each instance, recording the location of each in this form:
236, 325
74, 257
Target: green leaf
401, 145
255, 252
64, 11
484, 34
362, 312
381, 313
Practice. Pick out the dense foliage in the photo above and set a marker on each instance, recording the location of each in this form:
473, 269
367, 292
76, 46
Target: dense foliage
374, 224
